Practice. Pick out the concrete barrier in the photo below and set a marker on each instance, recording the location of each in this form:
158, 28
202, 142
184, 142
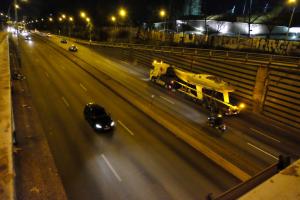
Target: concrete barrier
6, 143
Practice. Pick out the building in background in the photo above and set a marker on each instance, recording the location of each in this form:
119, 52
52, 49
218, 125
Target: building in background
192, 7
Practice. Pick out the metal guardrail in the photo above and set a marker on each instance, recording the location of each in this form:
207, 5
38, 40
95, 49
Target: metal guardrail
231, 55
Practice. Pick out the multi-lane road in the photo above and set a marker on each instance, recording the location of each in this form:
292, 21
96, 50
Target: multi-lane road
141, 159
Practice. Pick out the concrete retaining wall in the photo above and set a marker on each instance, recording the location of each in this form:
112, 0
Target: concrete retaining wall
6, 153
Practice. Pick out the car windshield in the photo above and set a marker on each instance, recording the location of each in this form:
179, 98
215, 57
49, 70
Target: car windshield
99, 112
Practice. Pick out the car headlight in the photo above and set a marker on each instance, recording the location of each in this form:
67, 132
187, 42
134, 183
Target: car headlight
112, 123
98, 126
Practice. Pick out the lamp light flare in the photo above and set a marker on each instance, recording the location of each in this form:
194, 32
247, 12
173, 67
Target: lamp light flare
82, 14
122, 12
162, 13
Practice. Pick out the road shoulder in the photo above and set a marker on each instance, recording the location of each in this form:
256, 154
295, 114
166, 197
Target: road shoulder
36, 173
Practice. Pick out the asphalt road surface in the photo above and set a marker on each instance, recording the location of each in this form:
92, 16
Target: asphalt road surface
139, 160
251, 142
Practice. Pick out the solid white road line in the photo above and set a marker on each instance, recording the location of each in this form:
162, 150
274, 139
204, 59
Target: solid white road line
267, 136
111, 168
168, 100
125, 127
267, 153
65, 101
82, 86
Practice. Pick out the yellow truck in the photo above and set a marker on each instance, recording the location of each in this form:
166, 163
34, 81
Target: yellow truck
208, 89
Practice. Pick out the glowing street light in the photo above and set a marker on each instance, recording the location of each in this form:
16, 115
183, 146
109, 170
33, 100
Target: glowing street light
292, 3
60, 19
113, 18
71, 19
50, 19
17, 6
88, 19
63, 16
162, 13
83, 14
122, 12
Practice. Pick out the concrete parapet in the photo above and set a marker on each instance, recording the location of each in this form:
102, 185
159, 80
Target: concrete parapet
6, 152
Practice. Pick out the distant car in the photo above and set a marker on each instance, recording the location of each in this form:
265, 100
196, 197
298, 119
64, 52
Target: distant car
73, 48
27, 37
64, 41
98, 118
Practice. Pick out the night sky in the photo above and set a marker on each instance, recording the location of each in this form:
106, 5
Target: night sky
139, 10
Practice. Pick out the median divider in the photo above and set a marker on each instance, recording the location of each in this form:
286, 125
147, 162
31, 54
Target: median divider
184, 133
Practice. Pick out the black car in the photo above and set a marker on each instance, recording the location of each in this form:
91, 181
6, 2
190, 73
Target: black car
64, 41
97, 117
73, 48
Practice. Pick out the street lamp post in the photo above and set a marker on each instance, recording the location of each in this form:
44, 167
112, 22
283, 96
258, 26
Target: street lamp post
70, 24
291, 2
89, 24
162, 14
114, 32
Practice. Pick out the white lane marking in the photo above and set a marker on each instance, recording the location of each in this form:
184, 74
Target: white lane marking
65, 101
166, 99
125, 127
267, 153
261, 133
111, 168
47, 74
82, 86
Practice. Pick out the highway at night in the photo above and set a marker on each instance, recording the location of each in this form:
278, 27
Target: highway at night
140, 159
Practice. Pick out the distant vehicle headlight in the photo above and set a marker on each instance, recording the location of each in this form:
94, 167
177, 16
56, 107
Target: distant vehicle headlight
112, 123
98, 126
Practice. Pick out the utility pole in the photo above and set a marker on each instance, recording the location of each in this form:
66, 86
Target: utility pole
249, 18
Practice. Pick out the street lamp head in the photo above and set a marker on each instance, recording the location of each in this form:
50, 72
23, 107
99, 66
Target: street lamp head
60, 19
88, 19
63, 16
71, 19
162, 13
50, 19
122, 12
82, 14
113, 18
17, 6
